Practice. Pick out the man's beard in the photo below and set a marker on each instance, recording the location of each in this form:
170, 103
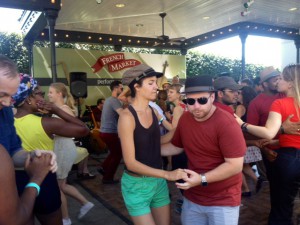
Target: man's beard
225, 102
274, 91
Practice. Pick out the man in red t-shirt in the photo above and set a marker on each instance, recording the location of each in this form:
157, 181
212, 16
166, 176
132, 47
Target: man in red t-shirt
258, 112
215, 147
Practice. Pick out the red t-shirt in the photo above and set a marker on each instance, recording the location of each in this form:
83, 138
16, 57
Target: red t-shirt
206, 144
259, 107
183, 106
286, 107
224, 107
258, 111
97, 114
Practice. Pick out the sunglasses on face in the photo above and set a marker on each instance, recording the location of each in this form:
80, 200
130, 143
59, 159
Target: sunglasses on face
192, 101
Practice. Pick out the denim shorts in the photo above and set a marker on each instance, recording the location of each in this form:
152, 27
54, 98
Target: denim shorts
142, 193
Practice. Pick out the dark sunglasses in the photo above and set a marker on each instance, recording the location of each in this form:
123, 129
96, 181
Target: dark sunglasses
192, 101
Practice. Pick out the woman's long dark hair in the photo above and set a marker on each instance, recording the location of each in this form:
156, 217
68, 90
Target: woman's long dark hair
248, 94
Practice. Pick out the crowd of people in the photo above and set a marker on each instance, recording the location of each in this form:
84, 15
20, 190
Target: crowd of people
204, 135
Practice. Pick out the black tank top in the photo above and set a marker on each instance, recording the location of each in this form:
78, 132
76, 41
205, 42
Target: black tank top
147, 141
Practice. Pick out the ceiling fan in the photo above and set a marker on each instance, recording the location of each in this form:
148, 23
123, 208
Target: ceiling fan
164, 38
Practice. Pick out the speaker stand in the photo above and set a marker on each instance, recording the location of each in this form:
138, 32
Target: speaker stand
78, 107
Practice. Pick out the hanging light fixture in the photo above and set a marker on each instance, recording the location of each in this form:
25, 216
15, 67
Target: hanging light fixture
247, 8
248, 4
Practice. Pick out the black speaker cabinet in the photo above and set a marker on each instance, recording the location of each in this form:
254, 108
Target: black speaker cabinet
78, 84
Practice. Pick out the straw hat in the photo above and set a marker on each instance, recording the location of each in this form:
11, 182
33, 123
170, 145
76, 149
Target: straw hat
267, 73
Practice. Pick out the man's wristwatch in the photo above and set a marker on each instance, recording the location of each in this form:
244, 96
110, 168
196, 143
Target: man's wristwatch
203, 180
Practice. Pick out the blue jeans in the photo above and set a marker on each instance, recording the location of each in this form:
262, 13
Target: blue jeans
284, 184
195, 214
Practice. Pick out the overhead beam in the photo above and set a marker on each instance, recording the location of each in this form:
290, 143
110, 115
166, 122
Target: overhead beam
33, 5
242, 27
51, 9
34, 29
104, 39
141, 42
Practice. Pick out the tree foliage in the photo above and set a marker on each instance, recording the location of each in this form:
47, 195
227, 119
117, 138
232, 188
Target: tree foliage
206, 64
12, 46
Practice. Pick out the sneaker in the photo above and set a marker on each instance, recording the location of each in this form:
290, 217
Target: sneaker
85, 209
67, 221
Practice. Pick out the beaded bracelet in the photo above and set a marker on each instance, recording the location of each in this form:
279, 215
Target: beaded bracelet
34, 185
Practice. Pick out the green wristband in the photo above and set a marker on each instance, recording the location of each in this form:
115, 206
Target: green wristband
161, 120
34, 185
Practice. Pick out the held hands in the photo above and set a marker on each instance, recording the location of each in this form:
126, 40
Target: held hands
176, 175
52, 163
191, 180
38, 167
269, 154
260, 143
265, 142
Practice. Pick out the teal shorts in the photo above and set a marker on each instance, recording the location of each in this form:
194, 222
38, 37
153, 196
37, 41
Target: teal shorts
140, 194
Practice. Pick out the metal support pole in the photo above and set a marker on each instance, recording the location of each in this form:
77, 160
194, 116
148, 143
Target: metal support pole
297, 43
51, 15
243, 37
29, 46
183, 51
118, 48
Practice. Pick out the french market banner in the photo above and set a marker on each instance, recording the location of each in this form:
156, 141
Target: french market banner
101, 67
115, 62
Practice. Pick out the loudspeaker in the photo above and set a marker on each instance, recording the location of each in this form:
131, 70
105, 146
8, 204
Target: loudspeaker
78, 84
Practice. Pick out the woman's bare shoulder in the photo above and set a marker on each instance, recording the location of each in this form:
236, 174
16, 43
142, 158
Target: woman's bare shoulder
125, 112
126, 121
126, 115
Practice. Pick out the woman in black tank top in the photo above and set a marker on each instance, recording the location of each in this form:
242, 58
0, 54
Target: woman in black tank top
144, 186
